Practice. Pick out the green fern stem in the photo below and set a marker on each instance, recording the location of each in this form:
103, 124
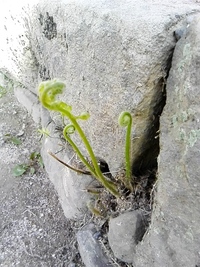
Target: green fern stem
125, 120
96, 171
47, 93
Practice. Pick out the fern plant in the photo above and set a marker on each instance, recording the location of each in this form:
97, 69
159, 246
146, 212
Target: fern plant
48, 92
125, 120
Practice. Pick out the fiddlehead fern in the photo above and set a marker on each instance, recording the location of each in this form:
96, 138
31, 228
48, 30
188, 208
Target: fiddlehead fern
125, 120
47, 94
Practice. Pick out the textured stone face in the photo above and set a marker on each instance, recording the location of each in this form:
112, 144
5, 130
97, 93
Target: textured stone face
90, 248
173, 239
125, 232
113, 56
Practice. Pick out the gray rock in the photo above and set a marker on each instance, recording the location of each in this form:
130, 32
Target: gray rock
113, 56
173, 238
125, 232
179, 33
30, 101
90, 249
72, 189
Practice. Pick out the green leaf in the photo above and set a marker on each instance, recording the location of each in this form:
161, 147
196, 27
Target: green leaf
32, 170
15, 140
3, 91
34, 155
40, 161
83, 116
19, 169
44, 132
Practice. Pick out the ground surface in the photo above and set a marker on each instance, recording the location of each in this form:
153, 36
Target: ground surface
33, 229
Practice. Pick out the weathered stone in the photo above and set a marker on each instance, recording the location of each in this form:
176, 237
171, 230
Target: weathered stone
90, 249
72, 192
173, 239
125, 232
113, 56
96, 78
30, 102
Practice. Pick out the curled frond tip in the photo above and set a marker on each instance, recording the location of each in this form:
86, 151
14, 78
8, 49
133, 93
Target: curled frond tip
125, 119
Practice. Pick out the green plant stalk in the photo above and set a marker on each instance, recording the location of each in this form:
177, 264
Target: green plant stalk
47, 92
94, 210
74, 146
125, 120
128, 151
96, 171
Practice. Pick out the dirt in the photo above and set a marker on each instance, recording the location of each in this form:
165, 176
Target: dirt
33, 228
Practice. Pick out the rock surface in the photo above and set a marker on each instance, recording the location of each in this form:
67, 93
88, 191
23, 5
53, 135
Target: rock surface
109, 52
125, 232
113, 56
90, 249
173, 238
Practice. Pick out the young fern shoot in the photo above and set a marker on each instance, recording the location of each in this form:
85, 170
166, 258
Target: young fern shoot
48, 91
125, 120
